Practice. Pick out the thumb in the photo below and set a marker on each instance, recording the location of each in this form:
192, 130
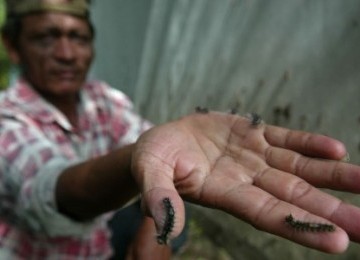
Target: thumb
153, 165
160, 199
166, 207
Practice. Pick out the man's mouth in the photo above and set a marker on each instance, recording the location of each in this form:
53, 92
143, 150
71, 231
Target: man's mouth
66, 74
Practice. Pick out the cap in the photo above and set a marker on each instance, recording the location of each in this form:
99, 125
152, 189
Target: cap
21, 7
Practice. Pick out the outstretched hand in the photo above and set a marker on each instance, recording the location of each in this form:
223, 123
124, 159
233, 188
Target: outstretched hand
256, 172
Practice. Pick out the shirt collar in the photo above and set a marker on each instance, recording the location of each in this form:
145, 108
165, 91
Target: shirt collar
31, 102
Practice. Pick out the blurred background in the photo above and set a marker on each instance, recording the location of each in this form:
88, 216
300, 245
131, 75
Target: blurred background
4, 63
296, 63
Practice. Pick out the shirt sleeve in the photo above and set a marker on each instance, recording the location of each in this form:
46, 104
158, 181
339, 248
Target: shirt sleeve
127, 125
29, 168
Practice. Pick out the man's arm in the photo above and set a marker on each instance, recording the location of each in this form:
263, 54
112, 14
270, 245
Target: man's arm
86, 190
258, 173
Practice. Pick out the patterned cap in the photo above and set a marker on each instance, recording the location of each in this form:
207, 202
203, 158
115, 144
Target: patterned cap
21, 7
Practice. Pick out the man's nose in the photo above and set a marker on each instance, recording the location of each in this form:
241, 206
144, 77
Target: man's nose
64, 49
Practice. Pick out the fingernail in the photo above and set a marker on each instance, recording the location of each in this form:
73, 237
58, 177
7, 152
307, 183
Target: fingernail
346, 158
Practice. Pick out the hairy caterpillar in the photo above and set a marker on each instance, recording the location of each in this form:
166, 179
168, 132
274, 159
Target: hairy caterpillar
201, 110
234, 111
169, 222
308, 226
254, 118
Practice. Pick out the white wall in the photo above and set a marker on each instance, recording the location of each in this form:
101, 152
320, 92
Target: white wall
120, 34
294, 62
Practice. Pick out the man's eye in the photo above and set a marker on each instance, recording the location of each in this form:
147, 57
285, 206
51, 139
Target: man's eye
80, 38
44, 39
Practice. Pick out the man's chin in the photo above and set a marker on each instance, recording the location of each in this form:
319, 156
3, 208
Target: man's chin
65, 89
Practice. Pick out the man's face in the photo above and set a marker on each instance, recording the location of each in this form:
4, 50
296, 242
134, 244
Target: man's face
55, 51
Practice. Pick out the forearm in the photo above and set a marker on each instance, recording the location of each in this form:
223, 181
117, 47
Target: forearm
96, 186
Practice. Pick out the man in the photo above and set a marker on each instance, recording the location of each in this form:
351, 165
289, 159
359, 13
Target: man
71, 154
58, 72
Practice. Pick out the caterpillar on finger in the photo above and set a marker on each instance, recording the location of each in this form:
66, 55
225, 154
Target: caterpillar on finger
308, 226
255, 119
162, 238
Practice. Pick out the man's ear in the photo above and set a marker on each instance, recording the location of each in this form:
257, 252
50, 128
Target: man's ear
12, 51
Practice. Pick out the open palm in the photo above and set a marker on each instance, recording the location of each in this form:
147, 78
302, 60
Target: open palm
258, 173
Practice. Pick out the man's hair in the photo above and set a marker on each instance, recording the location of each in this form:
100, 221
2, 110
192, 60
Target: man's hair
11, 30
12, 27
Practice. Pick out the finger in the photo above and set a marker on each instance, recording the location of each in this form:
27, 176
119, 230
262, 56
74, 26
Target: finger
313, 145
167, 209
298, 192
320, 173
346, 216
295, 190
160, 199
267, 213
